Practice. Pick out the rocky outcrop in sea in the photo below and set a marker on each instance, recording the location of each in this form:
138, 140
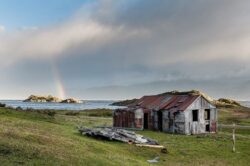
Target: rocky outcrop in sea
49, 99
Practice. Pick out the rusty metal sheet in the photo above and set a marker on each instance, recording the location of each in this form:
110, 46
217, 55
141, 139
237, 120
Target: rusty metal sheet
180, 102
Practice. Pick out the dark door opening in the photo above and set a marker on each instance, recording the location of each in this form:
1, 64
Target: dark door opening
207, 128
171, 124
159, 113
145, 125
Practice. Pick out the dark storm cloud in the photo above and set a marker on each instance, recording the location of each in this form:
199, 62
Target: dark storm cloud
133, 44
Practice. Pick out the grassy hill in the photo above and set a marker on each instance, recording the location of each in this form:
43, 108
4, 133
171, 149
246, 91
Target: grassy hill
36, 138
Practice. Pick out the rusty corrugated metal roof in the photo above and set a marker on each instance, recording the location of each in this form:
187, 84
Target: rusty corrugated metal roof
145, 101
181, 102
168, 102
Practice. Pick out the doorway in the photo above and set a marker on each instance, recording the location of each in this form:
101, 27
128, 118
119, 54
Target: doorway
207, 128
159, 114
145, 125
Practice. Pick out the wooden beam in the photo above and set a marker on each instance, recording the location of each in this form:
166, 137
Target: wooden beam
150, 146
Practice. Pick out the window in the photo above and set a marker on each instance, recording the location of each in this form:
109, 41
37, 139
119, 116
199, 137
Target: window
207, 114
195, 115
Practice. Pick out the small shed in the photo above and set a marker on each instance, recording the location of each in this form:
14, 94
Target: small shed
182, 113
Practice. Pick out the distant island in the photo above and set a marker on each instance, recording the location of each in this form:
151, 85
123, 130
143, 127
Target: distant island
222, 102
50, 99
124, 102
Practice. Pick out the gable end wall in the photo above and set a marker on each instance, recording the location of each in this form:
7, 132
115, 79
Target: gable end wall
199, 127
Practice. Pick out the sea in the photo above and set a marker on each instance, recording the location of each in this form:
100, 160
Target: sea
245, 103
85, 105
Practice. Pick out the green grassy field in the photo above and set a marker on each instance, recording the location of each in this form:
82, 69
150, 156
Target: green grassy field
30, 138
238, 115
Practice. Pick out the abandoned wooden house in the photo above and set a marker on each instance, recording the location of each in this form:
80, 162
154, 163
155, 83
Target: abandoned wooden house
174, 113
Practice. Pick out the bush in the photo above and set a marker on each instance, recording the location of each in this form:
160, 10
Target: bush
19, 109
98, 112
72, 113
50, 113
2, 105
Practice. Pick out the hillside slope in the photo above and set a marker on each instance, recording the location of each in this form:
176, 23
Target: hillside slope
30, 138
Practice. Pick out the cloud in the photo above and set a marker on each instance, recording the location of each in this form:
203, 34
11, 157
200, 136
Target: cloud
129, 42
79, 32
49, 42
160, 33
236, 89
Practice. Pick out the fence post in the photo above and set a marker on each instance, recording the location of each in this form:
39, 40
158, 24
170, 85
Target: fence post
234, 137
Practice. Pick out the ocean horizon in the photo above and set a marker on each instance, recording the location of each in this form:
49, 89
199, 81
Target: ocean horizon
85, 105
245, 103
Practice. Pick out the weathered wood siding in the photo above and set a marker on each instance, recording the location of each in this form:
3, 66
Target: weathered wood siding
182, 121
122, 118
139, 118
198, 127
155, 120
173, 122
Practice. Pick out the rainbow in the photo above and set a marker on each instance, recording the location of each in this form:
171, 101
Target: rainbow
60, 90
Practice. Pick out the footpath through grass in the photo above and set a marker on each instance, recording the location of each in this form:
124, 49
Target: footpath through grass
30, 138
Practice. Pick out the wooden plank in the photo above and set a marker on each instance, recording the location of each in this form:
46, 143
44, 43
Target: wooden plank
150, 146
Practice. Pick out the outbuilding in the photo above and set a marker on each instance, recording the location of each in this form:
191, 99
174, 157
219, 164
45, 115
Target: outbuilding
173, 112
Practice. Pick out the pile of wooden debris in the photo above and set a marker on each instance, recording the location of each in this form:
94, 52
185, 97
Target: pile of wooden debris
117, 135
121, 135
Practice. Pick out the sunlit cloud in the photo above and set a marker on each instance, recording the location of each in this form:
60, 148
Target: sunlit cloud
132, 42
52, 42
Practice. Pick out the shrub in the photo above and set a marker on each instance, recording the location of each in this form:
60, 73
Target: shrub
98, 112
72, 113
19, 109
50, 113
2, 105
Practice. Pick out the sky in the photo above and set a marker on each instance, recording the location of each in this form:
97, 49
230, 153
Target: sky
120, 49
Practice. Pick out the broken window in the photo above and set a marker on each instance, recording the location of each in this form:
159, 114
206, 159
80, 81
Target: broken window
195, 115
207, 114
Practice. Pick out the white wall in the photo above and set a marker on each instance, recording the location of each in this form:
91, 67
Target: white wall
198, 127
